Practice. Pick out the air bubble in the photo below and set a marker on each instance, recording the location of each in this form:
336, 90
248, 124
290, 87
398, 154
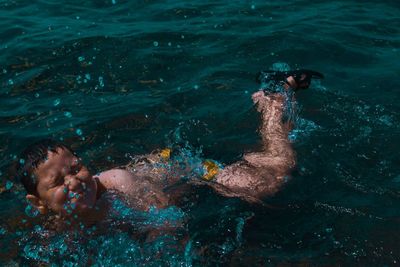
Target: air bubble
155, 43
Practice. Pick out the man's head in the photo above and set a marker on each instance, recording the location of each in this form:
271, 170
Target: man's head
55, 179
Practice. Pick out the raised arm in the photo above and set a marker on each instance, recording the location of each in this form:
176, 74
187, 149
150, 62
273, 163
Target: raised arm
262, 173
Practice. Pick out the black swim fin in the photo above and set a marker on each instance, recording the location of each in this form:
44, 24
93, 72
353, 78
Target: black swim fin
302, 77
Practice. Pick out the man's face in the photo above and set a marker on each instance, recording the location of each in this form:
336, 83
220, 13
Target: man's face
64, 184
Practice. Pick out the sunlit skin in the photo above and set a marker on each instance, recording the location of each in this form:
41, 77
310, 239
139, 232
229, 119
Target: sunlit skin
64, 184
66, 187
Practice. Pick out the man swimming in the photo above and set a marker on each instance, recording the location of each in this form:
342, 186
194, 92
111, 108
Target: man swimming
56, 180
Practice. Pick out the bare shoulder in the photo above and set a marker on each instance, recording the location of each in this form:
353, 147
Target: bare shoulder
119, 179
140, 190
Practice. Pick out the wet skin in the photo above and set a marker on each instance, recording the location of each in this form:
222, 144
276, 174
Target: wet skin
66, 187
64, 184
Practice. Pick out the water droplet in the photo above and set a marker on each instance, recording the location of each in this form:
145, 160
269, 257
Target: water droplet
78, 132
57, 102
155, 43
31, 212
9, 185
68, 114
2, 231
101, 81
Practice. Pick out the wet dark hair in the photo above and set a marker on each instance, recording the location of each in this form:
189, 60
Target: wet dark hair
31, 158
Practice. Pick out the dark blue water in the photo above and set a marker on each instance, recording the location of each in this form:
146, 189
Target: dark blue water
119, 78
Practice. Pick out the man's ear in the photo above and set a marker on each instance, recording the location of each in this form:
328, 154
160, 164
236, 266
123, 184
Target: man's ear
37, 203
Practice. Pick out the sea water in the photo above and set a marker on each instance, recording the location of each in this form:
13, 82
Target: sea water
121, 78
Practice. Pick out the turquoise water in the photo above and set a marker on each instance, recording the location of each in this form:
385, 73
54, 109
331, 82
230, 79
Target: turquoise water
119, 78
